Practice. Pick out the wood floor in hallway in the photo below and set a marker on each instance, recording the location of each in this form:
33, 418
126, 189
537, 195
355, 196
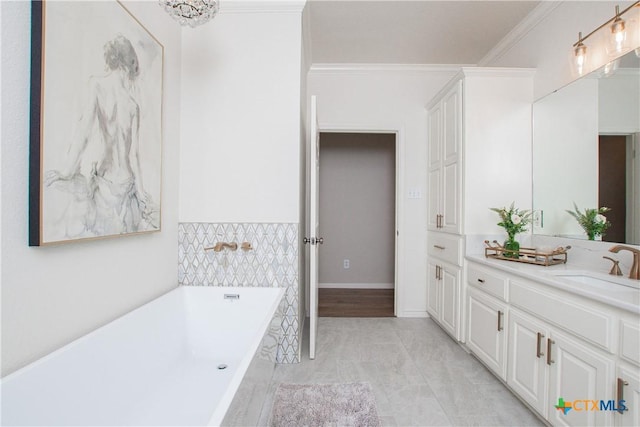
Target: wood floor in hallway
355, 302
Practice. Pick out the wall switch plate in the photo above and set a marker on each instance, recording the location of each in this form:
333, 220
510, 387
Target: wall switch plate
415, 193
346, 263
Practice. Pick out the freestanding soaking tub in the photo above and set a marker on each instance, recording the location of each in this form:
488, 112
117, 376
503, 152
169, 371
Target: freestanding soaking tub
177, 360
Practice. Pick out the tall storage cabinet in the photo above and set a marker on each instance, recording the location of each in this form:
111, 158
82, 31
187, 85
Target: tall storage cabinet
477, 120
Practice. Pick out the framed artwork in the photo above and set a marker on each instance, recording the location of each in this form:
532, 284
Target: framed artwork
96, 123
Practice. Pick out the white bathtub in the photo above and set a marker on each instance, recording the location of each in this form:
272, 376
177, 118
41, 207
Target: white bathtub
157, 365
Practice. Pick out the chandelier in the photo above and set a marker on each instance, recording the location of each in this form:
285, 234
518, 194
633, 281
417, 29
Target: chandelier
191, 12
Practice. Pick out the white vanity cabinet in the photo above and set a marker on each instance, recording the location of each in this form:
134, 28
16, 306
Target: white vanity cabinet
527, 374
628, 389
627, 381
555, 344
487, 317
486, 330
481, 116
445, 171
443, 282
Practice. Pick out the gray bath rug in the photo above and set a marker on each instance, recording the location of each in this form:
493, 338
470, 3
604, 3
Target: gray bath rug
314, 405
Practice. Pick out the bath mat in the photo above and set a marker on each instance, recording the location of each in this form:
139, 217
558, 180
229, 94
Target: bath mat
351, 404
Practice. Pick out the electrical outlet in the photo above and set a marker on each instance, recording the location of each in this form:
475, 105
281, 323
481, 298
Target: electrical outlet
346, 263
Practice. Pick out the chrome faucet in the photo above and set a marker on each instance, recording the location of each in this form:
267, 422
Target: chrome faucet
221, 245
634, 273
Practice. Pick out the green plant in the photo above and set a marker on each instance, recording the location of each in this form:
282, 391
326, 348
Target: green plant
513, 220
592, 221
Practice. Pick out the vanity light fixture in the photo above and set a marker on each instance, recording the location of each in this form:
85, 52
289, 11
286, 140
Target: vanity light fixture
618, 34
580, 52
191, 12
617, 38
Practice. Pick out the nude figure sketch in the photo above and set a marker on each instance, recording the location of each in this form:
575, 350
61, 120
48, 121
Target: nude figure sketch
101, 180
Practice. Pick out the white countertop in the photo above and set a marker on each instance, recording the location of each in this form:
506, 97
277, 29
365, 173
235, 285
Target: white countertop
623, 294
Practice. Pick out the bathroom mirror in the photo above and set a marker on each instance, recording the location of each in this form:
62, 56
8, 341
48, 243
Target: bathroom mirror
586, 149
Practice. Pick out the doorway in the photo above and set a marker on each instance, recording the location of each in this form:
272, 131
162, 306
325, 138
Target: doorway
619, 186
358, 222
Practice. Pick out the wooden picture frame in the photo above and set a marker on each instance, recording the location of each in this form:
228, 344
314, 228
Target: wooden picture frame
96, 123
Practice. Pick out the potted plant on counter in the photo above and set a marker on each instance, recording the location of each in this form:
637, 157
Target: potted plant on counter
514, 221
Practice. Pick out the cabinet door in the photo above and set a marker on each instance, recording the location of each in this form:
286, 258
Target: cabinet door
577, 373
485, 330
435, 189
449, 309
434, 122
433, 290
527, 373
450, 198
630, 393
451, 167
452, 123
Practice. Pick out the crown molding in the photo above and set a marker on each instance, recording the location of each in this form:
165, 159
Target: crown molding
368, 68
535, 17
497, 72
261, 6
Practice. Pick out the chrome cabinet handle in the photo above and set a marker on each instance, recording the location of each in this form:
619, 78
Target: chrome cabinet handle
439, 247
500, 321
550, 342
539, 345
481, 280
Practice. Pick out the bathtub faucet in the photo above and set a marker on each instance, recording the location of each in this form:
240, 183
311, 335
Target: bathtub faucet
221, 245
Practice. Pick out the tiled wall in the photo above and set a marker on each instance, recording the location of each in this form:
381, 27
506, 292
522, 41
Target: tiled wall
273, 262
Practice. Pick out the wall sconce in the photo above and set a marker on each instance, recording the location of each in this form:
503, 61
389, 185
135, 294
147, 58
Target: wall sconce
616, 43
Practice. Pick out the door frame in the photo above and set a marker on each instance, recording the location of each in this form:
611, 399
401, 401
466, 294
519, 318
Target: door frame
398, 131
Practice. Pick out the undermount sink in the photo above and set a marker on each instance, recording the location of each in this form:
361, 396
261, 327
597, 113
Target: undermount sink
587, 279
611, 284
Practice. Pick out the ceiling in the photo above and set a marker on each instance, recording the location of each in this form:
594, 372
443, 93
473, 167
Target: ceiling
410, 32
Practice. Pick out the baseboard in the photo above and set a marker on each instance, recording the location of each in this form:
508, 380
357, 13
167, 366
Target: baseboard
357, 285
412, 314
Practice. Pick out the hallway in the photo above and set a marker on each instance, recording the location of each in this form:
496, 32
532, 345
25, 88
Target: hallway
355, 302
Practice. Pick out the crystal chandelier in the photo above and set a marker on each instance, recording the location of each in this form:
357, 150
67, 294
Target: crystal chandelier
191, 12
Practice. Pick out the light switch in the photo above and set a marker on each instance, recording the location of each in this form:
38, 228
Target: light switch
415, 193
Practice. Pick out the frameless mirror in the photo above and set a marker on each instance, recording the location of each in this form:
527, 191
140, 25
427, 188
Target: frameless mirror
586, 150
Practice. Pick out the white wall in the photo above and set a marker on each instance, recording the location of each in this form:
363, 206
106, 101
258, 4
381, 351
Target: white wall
240, 118
389, 99
497, 145
52, 295
548, 46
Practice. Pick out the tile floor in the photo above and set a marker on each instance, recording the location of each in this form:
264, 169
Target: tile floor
420, 376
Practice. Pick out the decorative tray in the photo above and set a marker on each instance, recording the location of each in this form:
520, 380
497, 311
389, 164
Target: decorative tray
526, 255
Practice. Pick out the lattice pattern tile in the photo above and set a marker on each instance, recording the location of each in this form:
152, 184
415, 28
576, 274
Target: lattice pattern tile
273, 262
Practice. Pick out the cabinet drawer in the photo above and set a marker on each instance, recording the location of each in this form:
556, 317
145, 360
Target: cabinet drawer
488, 281
580, 319
630, 341
447, 247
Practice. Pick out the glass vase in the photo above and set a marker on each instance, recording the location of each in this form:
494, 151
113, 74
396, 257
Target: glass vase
511, 248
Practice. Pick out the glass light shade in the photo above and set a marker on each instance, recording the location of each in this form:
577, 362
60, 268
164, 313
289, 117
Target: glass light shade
191, 12
618, 37
580, 53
